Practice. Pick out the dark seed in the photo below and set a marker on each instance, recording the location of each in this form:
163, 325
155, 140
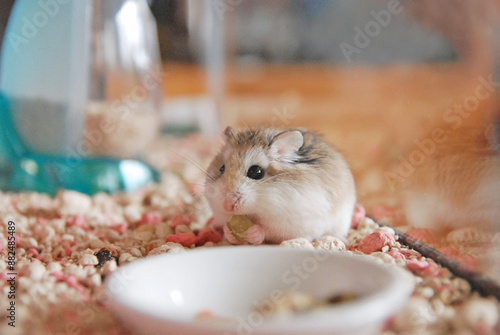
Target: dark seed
105, 255
339, 298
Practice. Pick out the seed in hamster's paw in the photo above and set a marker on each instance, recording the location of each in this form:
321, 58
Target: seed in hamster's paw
238, 225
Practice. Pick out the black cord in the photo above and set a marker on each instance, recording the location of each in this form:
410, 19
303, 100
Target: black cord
484, 285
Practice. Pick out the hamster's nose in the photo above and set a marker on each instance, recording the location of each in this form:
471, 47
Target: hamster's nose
230, 203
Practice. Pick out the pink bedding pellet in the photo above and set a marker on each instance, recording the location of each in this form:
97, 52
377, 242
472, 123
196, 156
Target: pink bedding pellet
77, 220
178, 220
150, 218
423, 268
120, 228
185, 239
358, 215
208, 235
375, 242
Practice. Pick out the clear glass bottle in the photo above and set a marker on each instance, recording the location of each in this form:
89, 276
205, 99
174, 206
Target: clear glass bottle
80, 86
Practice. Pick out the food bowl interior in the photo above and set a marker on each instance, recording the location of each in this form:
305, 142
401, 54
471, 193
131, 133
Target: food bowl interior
231, 282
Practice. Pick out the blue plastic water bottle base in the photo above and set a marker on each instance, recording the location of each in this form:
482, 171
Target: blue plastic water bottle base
48, 174
22, 170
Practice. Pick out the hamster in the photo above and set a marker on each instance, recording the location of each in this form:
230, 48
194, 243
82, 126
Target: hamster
290, 183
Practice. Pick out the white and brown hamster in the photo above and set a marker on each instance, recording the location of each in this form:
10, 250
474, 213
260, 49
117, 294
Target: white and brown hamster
290, 183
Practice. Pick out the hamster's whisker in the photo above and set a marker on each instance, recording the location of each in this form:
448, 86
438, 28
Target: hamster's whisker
248, 128
194, 164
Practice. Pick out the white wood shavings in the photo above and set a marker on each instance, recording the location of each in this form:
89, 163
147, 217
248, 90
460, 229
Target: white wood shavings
24, 282
68, 237
58, 252
54, 267
109, 267
34, 204
415, 317
132, 213
329, 243
36, 271
479, 315
368, 223
388, 259
134, 252
163, 230
355, 236
112, 235
146, 228
144, 236
348, 253
60, 288
183, 229
401, 262
445, 296
46, 257
59, 225
74, 269
96, 243
461, 287
468, 236
95, 280
87, 259
172, 189
28, 242
48, 233
299, 243
97, 219
126, 258
169, 247
425, 292
89, 270
21, 252
77, 232
26, 299
290, 303
388, 230
441, 310
73, 203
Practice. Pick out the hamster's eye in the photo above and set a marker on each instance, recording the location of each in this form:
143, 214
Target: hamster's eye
222, 169
255, 172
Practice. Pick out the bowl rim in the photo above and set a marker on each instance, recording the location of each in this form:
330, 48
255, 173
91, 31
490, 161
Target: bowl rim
371, 308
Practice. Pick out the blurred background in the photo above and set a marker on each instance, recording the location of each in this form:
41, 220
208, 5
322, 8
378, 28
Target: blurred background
407, 90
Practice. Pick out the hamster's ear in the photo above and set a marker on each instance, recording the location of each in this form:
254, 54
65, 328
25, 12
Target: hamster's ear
229, 132
285, 145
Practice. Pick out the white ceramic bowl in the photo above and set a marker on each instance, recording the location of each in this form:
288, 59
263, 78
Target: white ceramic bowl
164, 294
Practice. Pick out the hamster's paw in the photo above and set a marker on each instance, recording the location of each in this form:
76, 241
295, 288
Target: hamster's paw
256, 234
229, 236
